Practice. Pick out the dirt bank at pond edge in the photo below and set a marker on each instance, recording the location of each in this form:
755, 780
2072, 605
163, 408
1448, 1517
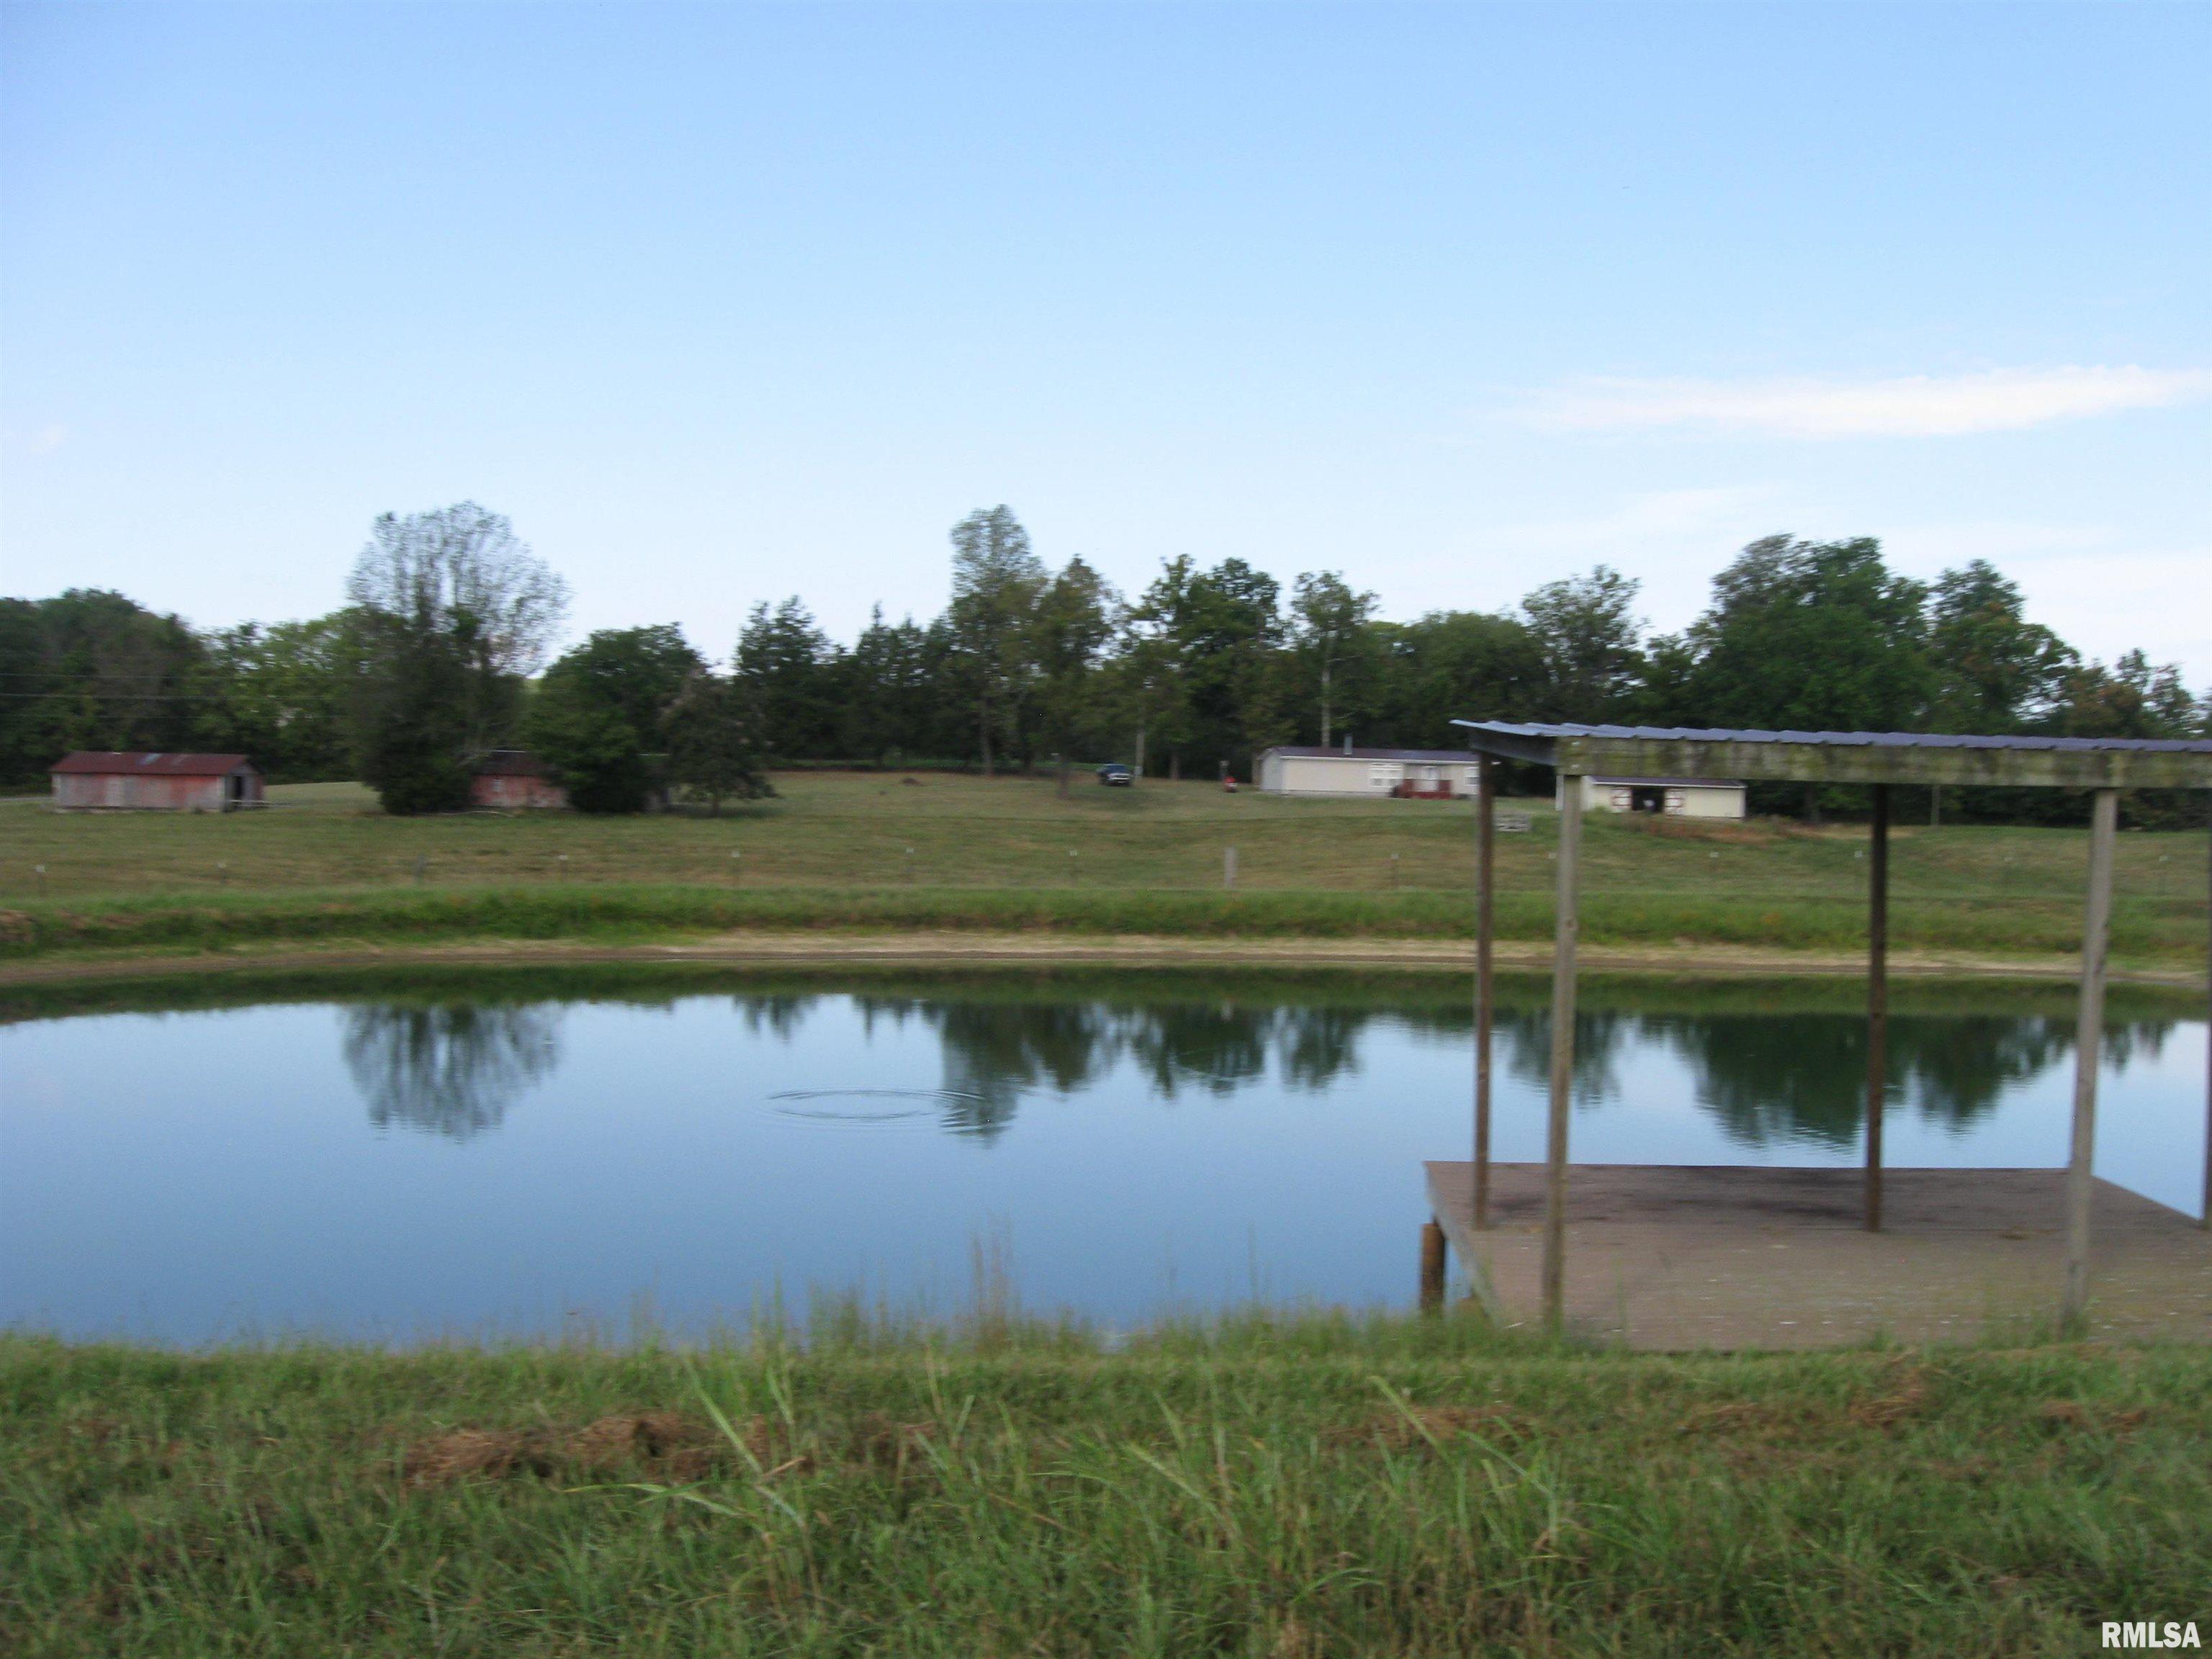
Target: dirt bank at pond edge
972, 949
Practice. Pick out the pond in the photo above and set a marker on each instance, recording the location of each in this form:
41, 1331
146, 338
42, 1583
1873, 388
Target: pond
533, 1153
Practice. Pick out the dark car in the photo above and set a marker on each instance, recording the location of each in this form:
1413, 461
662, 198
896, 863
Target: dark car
1114, 775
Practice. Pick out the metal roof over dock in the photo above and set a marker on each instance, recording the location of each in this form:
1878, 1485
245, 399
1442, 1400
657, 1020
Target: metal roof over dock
2015, 761
2105, 766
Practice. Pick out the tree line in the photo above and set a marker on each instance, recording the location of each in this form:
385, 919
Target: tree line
441, 657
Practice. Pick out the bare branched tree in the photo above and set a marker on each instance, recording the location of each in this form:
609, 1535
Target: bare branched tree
462, 571
453, 609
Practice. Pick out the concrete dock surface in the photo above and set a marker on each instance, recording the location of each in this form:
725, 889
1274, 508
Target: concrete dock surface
1699, 1257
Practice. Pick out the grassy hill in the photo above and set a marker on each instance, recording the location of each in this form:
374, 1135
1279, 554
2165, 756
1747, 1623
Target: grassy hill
884, 850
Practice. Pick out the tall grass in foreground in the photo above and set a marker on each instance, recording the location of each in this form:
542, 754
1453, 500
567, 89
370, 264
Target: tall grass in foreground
1309, 1486
2143, 930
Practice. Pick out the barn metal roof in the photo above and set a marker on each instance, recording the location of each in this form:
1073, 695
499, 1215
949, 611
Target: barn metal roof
138, 762
2018, 761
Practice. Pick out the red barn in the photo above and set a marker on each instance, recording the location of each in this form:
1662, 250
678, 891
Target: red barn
127, 780
508, 779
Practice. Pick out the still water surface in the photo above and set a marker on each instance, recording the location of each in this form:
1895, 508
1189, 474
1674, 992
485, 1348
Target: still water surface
443, 1163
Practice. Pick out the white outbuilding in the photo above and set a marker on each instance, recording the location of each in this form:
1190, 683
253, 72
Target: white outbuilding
1677, 797
1421, 774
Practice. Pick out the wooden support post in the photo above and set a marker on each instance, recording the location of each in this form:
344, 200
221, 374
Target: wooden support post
2205, 1220
1566, 927
2088, 1041
1432, 1267
1877, 1000
1486, 988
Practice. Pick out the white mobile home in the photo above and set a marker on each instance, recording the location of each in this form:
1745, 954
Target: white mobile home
1679, 798
1422, 774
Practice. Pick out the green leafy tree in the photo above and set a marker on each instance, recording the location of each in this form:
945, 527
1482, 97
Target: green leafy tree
279, 692
1590, 636
1335, 645
712, 755
892, 698
1230, 631
996, 580
413, 741
597, 718
91, 669
1452, 664
1816, 636
1069, 630
789, 672
2133, 698
1995, 671
1811, 637
1149, 681
452, 610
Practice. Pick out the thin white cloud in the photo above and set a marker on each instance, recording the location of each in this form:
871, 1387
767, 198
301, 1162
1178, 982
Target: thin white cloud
1658, 516
1914, 406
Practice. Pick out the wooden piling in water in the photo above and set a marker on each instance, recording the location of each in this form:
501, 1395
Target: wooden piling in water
1432, 1267
1877, 1000
1486, 988
2088, 1042
1564, 929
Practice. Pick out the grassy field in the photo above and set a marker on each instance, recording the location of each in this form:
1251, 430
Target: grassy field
1317, 1487
874, 850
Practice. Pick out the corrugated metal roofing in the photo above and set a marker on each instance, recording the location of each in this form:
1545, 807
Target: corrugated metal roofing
150, 764
1844, 739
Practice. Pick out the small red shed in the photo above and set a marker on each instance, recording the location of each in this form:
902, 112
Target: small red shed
509, 780
124, 781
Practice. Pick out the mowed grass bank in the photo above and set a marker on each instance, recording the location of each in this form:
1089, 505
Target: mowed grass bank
871, 850
1319, 1488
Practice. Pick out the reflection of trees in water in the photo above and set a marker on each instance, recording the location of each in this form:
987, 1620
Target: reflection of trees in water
1773, 1079
1319, 1045
1777, 1079
452, 1068
1523, 1041
1766, 1077
778, 1015
994, 1052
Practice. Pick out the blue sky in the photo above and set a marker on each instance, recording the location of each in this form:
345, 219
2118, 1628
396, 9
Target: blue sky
724, 303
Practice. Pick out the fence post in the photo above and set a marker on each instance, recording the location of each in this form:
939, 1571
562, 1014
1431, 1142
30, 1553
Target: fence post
1485, 916
1229, 868
1432, 1267
1877, 1086
2089, 1039
1565, 927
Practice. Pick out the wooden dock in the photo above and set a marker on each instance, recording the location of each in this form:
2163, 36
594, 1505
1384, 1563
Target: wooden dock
1677, 1257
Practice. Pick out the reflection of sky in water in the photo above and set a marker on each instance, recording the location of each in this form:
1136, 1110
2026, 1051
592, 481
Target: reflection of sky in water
401, 1170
